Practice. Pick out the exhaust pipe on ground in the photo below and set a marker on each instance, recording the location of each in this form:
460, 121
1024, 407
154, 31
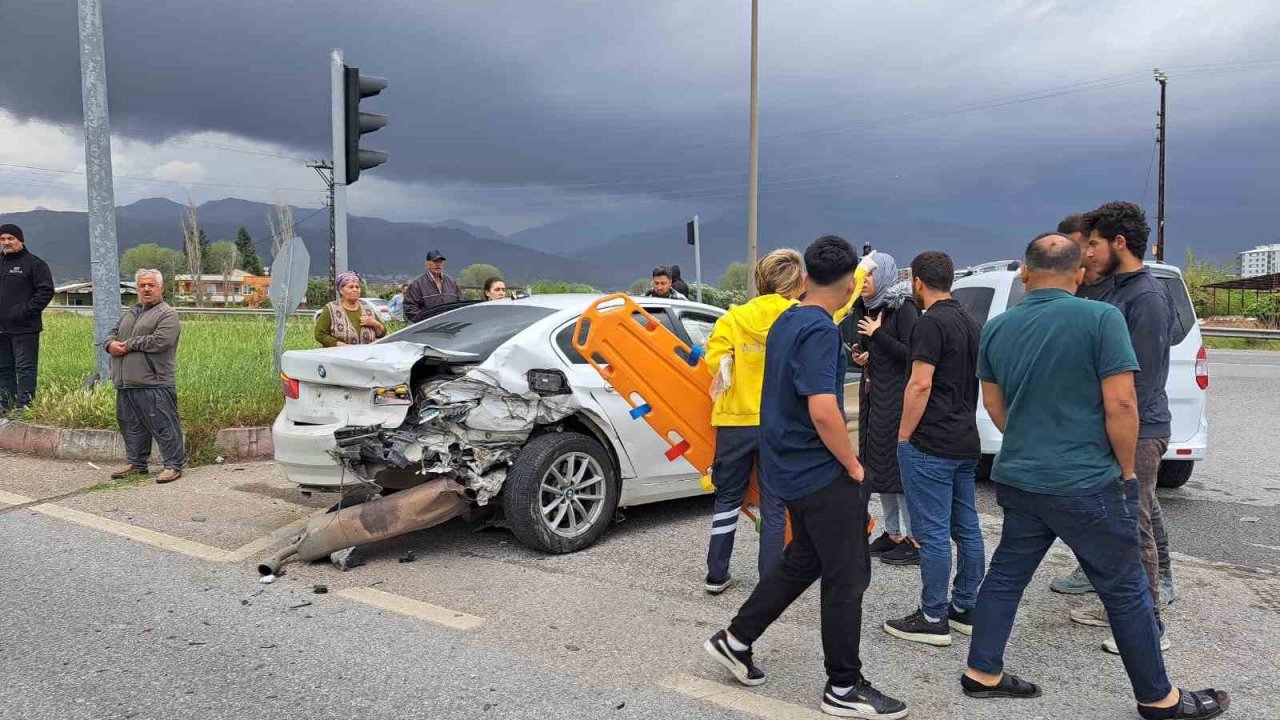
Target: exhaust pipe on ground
425, 506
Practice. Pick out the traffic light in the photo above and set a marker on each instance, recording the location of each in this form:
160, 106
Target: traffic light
357, 87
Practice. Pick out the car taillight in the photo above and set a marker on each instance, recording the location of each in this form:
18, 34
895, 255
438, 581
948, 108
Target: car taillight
397, 395
290, 386
1202, 368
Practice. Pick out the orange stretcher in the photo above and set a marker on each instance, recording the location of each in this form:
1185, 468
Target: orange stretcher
666, 382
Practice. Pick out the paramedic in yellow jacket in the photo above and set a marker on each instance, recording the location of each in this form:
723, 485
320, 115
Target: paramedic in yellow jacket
735, 354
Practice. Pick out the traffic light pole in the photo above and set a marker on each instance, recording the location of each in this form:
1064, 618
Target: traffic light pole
338, 204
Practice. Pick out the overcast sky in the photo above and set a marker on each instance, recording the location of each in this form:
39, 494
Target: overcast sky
514, 113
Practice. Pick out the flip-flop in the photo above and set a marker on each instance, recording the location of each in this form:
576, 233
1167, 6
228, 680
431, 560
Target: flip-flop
1010, 686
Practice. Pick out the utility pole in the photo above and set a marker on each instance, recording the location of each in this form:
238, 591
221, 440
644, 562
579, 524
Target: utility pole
338, 183
753, 172
1160, 140
104, 259
324, 169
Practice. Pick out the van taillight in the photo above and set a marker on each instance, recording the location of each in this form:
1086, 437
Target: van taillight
291, 386
1202, 368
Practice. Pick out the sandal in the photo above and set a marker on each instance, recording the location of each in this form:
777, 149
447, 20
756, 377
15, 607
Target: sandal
1197, 704
1010, 686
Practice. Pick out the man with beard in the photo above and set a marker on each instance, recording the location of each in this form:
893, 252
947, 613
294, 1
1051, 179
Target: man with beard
1118, 234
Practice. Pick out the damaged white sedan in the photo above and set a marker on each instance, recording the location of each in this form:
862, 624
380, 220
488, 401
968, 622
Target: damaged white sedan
492, 398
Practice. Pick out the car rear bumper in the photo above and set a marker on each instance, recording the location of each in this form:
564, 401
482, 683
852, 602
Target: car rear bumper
303, 453
1193, 448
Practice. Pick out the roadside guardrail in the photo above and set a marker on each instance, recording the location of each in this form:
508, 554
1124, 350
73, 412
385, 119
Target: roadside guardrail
265, 312
1248, 333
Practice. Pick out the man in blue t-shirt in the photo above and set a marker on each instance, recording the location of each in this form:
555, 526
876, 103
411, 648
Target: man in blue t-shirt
806, 455
1057, 379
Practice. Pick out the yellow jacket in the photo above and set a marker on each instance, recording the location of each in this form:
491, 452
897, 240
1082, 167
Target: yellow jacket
741, 333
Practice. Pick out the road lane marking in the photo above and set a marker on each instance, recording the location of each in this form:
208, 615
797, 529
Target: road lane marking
412, 608
737, 699
1264, 547
133, 532
9, 498
264, 543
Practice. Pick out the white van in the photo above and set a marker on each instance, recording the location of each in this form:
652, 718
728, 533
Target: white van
990, 289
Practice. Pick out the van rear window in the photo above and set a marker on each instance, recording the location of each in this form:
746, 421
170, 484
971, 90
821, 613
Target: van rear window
1184, 315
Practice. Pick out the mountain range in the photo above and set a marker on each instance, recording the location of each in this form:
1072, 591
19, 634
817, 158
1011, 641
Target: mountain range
607, 249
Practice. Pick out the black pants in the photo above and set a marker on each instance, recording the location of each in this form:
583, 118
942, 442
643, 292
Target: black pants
19, 354
147, 414
828, 541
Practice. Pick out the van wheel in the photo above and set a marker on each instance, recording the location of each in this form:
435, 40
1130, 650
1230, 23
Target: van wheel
561, 493
1174, 473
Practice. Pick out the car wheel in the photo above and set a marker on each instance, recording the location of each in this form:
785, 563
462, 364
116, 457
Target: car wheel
561, 493
1174, 473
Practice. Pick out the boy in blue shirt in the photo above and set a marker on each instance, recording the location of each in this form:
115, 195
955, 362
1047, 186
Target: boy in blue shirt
809, 462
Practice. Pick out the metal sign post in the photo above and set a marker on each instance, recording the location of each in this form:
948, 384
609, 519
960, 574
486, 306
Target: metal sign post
290, 270
691, 232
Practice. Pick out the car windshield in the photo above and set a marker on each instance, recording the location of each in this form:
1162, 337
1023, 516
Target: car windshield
476, 329
977, 300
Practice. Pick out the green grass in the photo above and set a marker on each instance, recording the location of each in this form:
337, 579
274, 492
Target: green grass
1222, 343
225, 376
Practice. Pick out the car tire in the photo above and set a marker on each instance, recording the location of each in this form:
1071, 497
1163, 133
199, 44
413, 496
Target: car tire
983, 471
1174, 473
525, 495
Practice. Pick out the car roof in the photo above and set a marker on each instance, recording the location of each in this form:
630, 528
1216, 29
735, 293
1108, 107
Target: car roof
579, 301
984, 276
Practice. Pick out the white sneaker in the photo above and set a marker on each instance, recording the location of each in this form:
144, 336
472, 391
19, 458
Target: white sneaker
1110, 644
1095, 616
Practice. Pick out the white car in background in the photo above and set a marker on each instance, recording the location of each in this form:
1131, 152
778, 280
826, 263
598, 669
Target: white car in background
494, 396
382, 307
990, 289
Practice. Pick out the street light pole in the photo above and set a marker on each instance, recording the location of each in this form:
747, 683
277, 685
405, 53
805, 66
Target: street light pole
1160, 139
753, 172
103, 258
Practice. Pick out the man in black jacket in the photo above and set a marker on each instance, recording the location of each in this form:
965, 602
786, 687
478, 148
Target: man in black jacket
26, 287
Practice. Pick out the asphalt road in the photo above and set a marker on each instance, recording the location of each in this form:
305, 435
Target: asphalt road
93, 625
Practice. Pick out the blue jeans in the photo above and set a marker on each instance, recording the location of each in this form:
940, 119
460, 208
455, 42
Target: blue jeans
1101, 528
736, 451
897, 519
943, 505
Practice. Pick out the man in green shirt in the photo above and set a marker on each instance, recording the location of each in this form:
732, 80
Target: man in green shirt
1057, 380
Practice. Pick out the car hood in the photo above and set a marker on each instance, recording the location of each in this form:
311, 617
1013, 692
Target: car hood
376, 365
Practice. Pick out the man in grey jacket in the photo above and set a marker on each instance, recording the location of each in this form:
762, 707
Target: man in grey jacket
143, 348
430, 289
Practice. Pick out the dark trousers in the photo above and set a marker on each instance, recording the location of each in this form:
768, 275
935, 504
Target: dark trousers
1102, 529
147, 414
19, 356
1150, 450
828, 541
736, 452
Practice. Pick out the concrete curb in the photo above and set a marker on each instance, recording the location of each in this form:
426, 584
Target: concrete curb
251, 443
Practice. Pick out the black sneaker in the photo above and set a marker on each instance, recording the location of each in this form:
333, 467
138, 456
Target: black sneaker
917, 628
961, 622
714, 587
863, 701
882, 544
738, 663
904, 553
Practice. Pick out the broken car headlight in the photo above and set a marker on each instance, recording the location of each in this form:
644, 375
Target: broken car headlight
548, 382
396, 395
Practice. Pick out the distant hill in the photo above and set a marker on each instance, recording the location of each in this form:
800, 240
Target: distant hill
378, 248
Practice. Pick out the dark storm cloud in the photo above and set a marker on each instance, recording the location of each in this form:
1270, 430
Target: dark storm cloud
602, 94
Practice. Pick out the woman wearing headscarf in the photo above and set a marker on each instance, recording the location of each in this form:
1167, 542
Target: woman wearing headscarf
886, 313
348, 320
